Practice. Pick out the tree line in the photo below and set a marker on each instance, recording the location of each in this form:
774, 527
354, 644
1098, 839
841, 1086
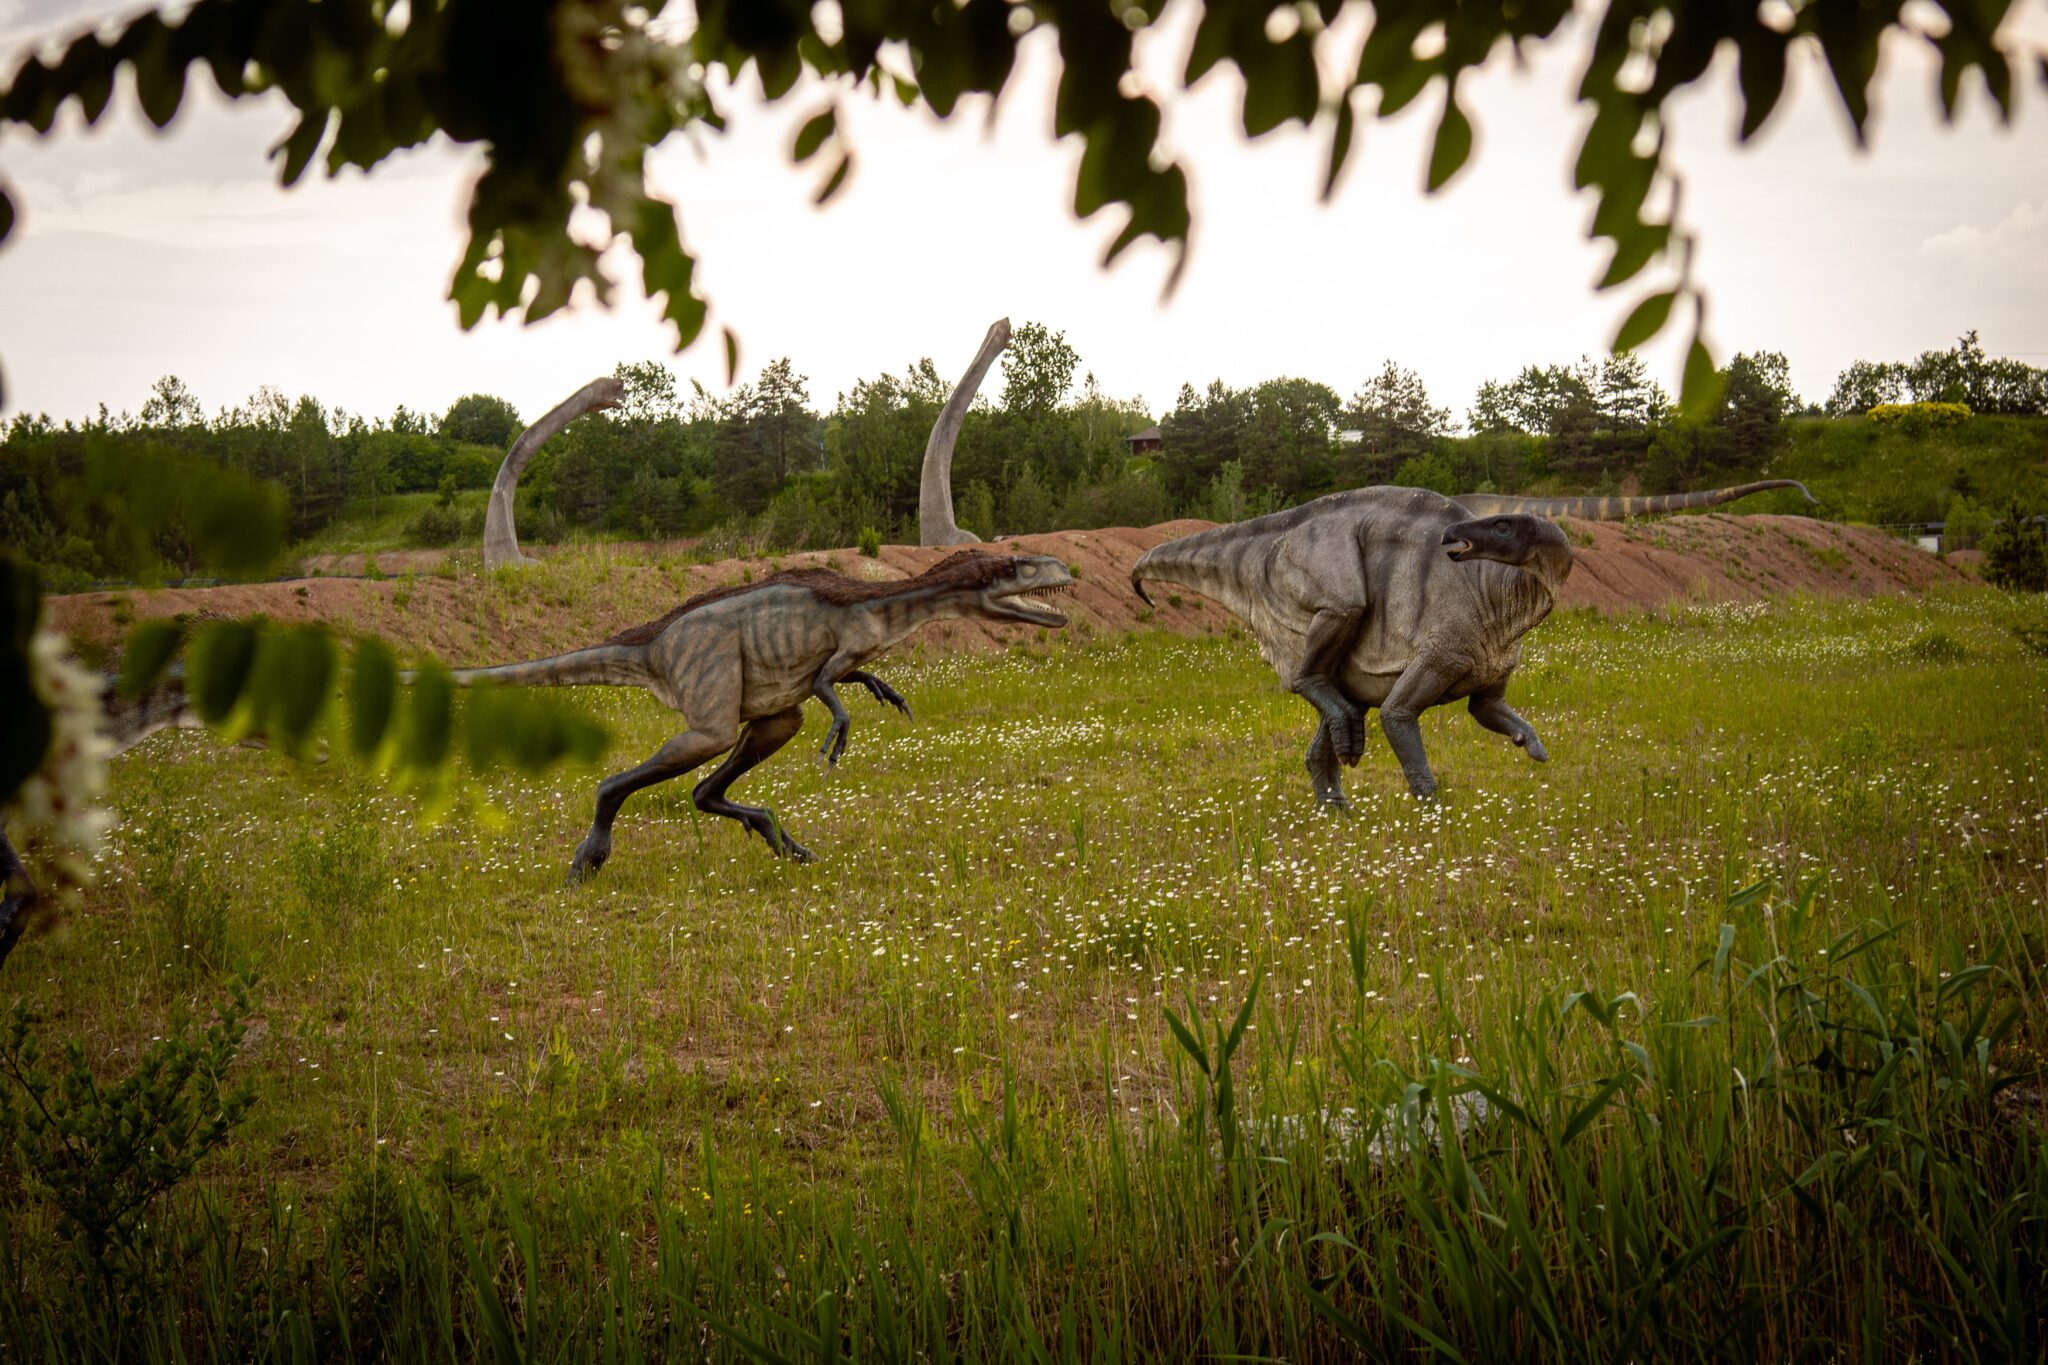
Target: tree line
766, 464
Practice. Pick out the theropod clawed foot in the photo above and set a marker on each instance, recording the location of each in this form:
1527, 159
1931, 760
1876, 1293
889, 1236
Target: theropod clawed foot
590, 856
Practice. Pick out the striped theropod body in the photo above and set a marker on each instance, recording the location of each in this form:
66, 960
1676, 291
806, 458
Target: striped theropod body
1397, 598
739, 662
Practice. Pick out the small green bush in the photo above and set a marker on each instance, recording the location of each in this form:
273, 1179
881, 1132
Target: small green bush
436, 526
1919, 417
2016, 552
870, 541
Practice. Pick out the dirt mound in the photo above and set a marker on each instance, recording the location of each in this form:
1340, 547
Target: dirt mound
578, 598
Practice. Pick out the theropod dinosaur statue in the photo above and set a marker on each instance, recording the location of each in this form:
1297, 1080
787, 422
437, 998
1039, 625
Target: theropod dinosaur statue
1398, 598
739, 661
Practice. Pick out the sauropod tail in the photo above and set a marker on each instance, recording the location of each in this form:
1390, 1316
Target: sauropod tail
1619, 509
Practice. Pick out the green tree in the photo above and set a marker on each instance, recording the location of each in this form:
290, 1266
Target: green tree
1394, 421
1038, 370
171, 405
1756, 396
481, 420
567, 98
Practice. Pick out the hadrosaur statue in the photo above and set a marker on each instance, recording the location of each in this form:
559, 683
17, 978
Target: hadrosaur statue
1398, 598
739, 661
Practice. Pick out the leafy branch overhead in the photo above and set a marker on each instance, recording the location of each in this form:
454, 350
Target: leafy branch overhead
567, 98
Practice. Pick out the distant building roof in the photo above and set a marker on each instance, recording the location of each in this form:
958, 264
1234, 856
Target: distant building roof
1148, 434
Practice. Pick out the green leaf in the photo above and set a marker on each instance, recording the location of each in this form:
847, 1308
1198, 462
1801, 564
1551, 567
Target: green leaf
1340, 145
298, 678
1244, 1015
1726, 946
1453, 143
372, 695
1647, 319
732, 357
1762, 74
1701, 388
812, 135
150, 647
1634, 247
299, 146
432, 719
835, 181
6, 214
1594, 1107
217, 669
1189, 1043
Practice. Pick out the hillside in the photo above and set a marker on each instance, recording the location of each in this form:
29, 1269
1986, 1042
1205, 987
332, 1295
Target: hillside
578, 597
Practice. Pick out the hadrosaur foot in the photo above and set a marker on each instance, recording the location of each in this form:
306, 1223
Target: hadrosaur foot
1534, 746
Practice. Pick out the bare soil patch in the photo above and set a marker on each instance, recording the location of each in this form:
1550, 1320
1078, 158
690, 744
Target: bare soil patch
580, 597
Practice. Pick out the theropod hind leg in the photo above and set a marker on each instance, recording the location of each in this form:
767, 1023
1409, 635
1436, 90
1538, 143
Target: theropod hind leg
760, 739
688, 750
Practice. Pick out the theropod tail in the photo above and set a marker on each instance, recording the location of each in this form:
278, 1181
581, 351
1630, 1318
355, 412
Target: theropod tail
598, 666
1619, 509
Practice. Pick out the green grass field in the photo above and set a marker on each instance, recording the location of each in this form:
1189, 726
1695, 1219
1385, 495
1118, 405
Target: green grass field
1090, 1037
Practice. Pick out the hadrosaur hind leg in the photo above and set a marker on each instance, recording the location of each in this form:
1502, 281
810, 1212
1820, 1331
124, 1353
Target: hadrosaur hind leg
1315, 681
1323, 770
686, 751
1420, 687
760, 739
1491, 710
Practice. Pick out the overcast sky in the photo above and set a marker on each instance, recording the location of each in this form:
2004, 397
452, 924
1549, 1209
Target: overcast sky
140, 254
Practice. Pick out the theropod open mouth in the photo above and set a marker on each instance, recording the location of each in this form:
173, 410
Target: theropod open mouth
1028, 607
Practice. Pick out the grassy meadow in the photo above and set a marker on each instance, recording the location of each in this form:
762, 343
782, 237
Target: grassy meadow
1089, 1036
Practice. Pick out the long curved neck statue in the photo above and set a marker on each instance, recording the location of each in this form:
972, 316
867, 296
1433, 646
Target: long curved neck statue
935, 524
1619, 509
501, 541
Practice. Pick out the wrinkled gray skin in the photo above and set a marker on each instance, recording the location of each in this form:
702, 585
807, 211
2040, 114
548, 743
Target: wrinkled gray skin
128, 723
1396, 598
740, 668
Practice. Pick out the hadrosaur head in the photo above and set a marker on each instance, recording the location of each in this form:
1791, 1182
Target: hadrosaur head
1511, 538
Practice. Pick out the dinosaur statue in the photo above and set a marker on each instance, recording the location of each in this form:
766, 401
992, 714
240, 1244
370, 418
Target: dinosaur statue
1398, 598
501, 536
739, 661
935, 524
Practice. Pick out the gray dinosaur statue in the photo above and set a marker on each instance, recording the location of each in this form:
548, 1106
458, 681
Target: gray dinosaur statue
739, 661
1397, 598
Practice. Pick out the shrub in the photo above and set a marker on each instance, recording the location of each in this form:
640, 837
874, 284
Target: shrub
870, 541
1915, 418
435, 526
1427, 471
2016, 552
104, 1151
